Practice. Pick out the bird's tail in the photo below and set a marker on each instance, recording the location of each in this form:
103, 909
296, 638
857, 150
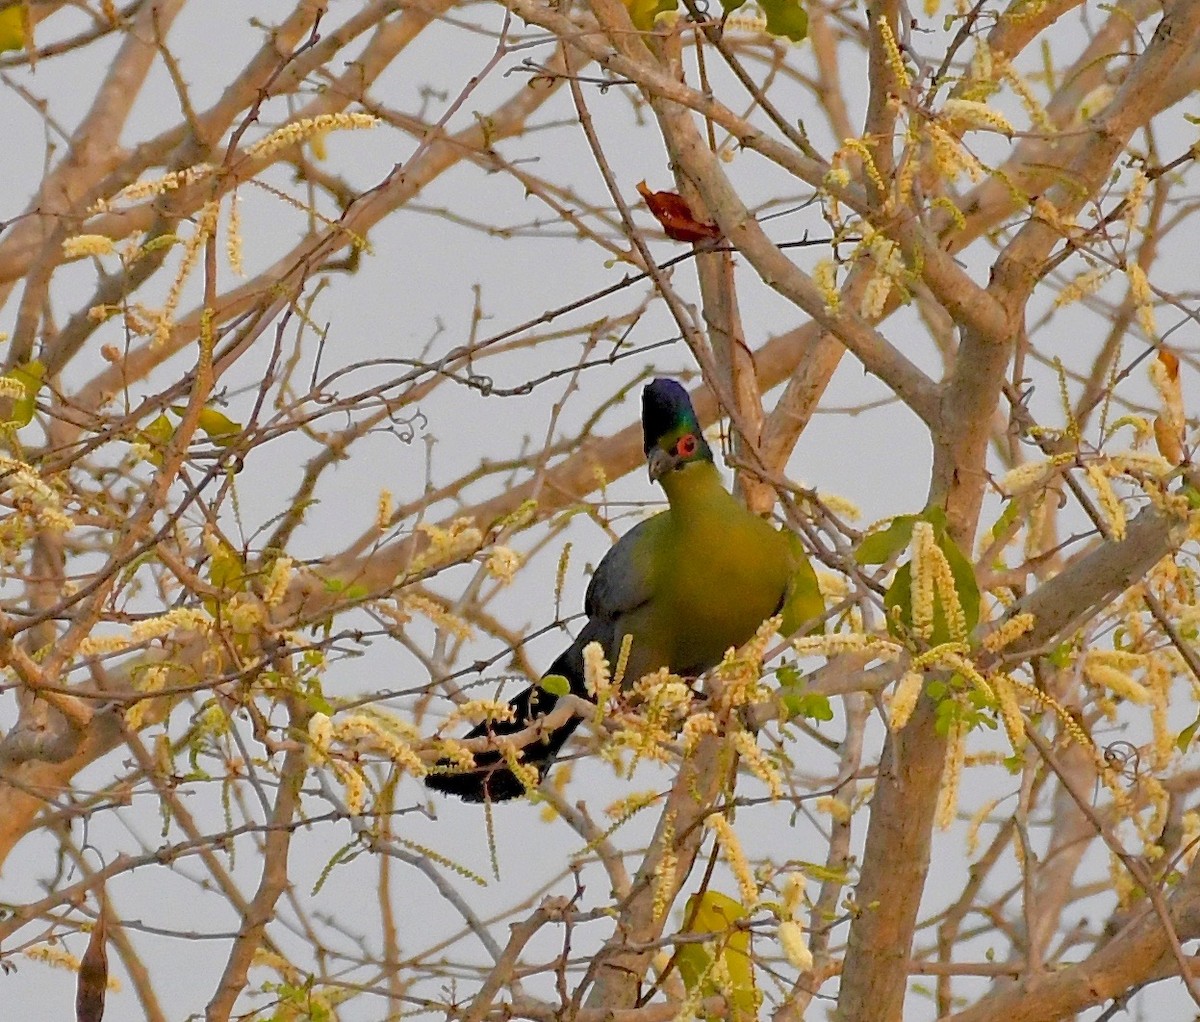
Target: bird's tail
490, 780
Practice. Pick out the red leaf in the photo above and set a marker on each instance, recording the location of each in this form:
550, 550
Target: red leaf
675, 216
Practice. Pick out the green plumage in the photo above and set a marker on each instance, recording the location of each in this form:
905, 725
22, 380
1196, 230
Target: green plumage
686, 585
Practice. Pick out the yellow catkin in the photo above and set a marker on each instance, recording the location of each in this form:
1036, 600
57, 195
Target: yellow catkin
947, 805
1139, 291
1158, 677
320, 735
1008, 632
1135, 198
502, 564
758, 763
276, 586
1117, 680
949, 156
894, 57
966, 113
206, 223
1037, 113
233, 236
947, 591
923, 579
665, 869
81, 245
154, 679
864, 153
1082, 286
595, 671
978, 819
1110, 505
436, 612
825, 279
307, 128
794, 946
735, 856
477, 710
1010, 710
383, 510
847, 642
837, 810
173, 181
904, 699
52, 955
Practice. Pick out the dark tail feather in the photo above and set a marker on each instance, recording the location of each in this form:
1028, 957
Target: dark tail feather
491, 780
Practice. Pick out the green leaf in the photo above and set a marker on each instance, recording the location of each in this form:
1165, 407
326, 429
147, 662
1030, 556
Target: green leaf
643, 12
216, 425
964, 579
785, 18
1007, 519
897, 601
12, 28
729, 6
898, 598
717, 914
227, 570
555, 684
157, 434
29, 376
803, 601
1186, 735
812, 705
884, 545
348, 591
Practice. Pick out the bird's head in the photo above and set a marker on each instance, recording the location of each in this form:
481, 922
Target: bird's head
670, 429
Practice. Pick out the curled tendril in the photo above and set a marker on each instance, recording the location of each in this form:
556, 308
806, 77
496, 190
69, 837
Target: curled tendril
1125, 758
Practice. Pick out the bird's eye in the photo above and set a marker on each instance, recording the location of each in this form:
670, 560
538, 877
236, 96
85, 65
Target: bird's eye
686, 446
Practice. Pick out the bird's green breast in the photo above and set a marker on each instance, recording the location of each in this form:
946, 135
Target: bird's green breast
721, 571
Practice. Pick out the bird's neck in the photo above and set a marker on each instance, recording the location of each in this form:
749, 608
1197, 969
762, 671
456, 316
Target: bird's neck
694, 485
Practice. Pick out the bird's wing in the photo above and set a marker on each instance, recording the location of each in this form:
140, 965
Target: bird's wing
624, 578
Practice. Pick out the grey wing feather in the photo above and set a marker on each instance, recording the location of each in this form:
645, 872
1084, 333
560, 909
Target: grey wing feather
620, 583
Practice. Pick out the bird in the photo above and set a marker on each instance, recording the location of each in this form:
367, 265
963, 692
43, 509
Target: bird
685, 585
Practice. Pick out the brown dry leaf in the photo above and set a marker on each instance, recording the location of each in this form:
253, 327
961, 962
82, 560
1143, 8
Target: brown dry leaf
93, 976
675, 216
1169, 426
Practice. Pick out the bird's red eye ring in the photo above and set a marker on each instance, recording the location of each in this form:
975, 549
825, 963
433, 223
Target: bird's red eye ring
686, 446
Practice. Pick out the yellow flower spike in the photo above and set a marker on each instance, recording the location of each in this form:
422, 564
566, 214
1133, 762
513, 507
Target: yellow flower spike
837, 810
1139, 291
1084, 285
86, 244
923, 546
308, 128
758, 763
1110, 505
383, 511
825, 279
967, 114
1010, 710
894, 57
1037, 113
1008, 632
664, 869
502, 564
735, 856
904, 699
1117, 681
795, 948
947, 806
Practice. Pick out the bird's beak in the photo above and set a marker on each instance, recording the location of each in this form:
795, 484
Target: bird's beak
660, 463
